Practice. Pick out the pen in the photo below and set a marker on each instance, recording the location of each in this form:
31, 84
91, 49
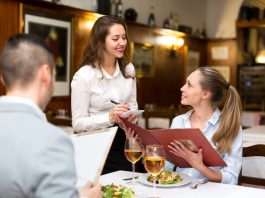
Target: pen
116, 103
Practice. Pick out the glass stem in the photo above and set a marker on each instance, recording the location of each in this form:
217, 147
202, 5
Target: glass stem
154, 186
133, 169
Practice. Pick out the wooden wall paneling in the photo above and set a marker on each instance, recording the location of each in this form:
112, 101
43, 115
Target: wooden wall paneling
169, 77
163, 88
145, 91
240, 45
9, 25
145, 86
81, 29
199, 45
231, 61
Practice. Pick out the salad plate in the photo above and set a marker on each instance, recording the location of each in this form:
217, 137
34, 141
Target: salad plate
185, 180
112, 190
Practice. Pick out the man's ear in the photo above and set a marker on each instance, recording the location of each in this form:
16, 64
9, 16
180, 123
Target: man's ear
45, 73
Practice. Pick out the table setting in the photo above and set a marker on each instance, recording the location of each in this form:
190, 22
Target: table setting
142, 188
206, 190
150, 184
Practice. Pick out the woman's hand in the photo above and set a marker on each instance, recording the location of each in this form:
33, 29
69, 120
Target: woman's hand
194, 159
128, 131
132, 118
118, 110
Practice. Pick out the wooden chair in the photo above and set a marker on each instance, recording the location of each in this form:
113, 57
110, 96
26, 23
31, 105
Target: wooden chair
58, 120
159, 112
262, 120
251, 151
61, 121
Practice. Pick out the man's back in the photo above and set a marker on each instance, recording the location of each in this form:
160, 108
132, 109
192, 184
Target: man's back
36, 157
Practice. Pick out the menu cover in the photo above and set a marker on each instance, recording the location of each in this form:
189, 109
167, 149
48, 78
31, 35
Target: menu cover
191, 137
91, 151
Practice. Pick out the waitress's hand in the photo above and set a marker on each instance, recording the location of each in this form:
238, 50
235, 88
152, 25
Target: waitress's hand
128, 131
194, 159
132, 118
118, 110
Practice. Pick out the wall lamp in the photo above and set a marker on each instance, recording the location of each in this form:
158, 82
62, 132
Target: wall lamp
260, 57
174, 44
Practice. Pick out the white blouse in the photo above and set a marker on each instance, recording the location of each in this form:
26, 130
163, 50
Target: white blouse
92, 90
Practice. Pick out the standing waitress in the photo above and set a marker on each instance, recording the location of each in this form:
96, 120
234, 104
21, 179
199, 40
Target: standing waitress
105, 74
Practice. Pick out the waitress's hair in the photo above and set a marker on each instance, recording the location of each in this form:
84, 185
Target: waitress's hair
93, 53
226, 95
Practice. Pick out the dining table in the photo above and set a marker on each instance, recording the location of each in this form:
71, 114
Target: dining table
207, 190
253, 166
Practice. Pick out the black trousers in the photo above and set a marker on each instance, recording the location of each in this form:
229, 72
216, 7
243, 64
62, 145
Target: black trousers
116, 159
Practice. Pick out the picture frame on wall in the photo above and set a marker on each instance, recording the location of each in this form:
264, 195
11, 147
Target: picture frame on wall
57, 34
143, 59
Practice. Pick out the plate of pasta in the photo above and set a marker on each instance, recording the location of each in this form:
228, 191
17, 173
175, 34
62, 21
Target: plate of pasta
166, 179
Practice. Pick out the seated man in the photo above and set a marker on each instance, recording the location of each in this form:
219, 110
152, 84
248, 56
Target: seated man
37, 159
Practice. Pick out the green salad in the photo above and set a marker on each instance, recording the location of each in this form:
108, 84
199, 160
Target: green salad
117, 191
166, 177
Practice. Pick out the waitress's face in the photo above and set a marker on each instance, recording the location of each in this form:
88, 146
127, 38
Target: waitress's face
116, 41
192, 92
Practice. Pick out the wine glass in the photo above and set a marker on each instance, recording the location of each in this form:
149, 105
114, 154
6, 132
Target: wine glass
133, 150
154, 161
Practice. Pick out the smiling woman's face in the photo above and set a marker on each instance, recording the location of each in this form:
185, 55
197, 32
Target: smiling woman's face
192, 92
115, 41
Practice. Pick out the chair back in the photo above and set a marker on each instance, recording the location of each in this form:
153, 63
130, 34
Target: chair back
159, 112
59, 120
252, 151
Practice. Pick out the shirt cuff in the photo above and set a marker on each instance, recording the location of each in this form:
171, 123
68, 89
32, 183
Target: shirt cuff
106, 119
227, 178
169, 166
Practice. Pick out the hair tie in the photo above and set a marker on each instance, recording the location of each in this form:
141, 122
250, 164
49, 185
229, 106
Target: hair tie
227, 86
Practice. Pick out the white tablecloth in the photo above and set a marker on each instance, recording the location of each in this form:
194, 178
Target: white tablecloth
208, 190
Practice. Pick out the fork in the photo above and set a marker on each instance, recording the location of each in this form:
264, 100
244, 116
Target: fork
130, 178
197, 182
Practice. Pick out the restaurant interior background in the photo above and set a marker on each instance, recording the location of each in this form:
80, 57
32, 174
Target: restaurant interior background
211, 30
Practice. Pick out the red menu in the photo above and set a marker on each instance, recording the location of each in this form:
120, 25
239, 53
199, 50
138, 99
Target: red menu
191, 137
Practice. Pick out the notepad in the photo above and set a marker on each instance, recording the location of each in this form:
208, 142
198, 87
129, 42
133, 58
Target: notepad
91, 151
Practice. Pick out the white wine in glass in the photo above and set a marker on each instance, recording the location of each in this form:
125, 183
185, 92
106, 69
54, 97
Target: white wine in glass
154, 165
154, 161
133, 150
